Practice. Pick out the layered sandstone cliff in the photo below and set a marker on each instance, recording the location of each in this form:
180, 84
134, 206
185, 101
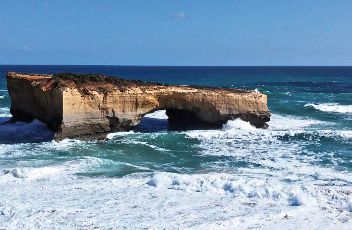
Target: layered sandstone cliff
93, 105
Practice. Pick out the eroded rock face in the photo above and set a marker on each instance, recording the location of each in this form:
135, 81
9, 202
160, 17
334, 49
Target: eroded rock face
89, 106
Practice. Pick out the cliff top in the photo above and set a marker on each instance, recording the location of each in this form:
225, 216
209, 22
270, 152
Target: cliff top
104, 83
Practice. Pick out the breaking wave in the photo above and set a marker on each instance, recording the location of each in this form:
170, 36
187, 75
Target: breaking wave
33, 173
249, 188
160, 114
270, 152
5, 112
118, 134
331, 107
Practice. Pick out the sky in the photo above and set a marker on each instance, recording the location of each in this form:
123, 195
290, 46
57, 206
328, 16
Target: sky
176, 32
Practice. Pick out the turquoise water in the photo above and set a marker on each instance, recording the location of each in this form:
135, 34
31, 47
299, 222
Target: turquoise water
299, 170
152, 147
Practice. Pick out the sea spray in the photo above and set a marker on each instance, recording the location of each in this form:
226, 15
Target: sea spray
331, 107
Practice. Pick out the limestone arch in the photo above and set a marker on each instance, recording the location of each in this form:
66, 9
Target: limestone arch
180, 110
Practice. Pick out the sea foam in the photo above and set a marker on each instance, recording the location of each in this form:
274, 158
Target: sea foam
159, 114
331, 107
270, 149
5, 112
118, 134
281, 183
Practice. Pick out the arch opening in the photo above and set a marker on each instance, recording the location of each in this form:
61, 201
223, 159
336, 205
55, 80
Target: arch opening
172, 120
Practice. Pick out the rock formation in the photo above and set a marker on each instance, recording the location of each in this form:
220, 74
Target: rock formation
89, 106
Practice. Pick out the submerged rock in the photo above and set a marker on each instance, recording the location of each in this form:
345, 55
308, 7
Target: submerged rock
89, 106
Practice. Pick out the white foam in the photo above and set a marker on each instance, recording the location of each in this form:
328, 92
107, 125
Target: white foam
57, 198
279, 122
276, 123
347, 205
2, 96
5, 112
18, 173
160, 114
257, 189
137, 166
285, 187
242, 130
238, 124
64, 144
345, 134
118, 134
149, 145
8, 151
265, 147
331, 107
33, 173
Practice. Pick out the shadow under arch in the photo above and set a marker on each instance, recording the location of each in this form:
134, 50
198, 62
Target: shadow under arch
172, 120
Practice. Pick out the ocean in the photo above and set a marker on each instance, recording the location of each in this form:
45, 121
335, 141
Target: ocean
297, 174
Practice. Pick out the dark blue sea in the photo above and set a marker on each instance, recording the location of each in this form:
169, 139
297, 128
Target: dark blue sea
299, 170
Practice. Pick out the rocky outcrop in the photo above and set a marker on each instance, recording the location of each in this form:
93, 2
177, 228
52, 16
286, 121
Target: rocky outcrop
89, 106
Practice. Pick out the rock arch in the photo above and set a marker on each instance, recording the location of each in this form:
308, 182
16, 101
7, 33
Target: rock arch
89, 106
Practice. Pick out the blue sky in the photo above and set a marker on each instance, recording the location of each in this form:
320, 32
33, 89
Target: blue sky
176, 32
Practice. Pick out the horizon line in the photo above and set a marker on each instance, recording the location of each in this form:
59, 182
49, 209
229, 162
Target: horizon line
176, 65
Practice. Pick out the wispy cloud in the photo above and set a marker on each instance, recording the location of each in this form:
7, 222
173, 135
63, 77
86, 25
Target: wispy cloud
179, 15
